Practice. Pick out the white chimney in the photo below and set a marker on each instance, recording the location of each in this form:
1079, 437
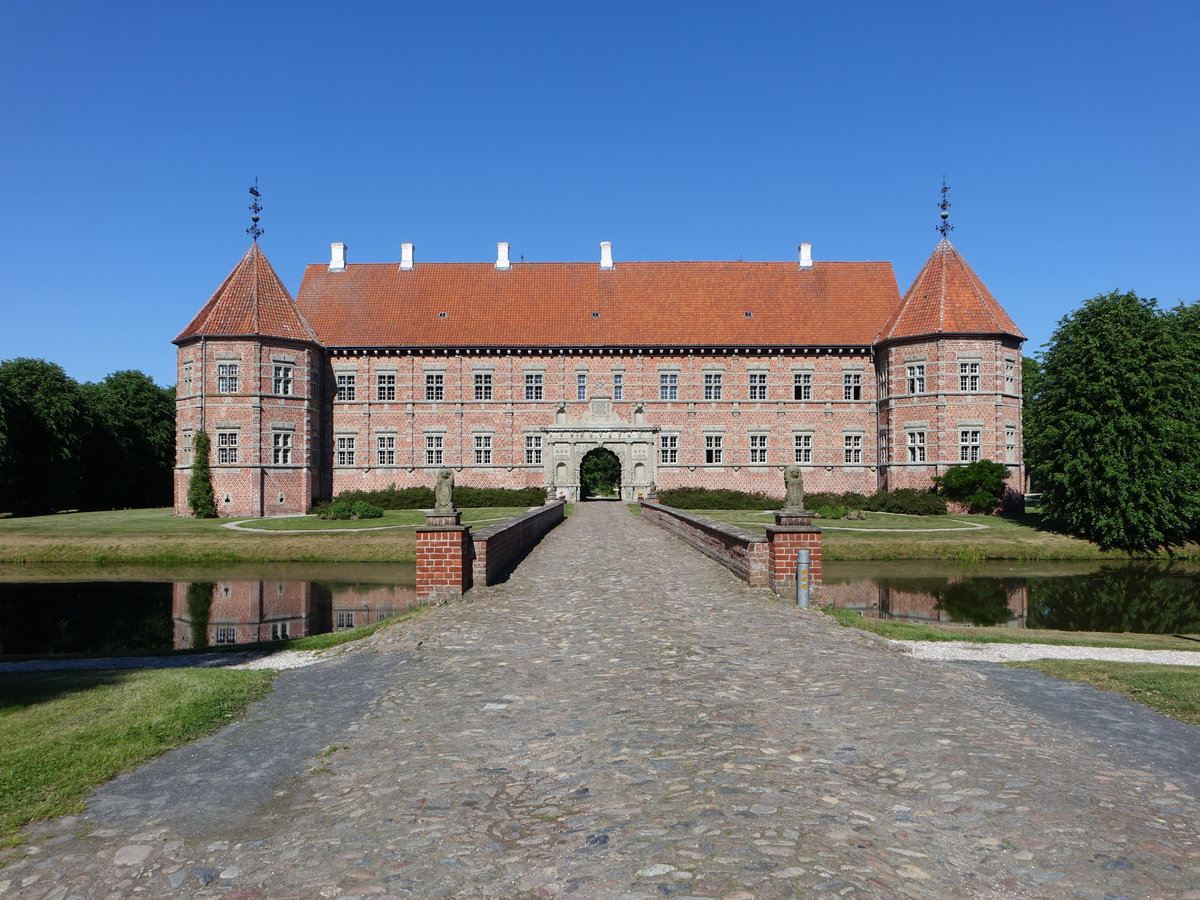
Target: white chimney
606, 255
502, 262
406, 256
806, 255
337, 257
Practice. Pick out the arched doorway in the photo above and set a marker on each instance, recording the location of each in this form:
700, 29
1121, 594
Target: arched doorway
600, 475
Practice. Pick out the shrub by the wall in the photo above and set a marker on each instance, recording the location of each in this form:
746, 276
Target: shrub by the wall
422, 498
707, 498
364, 510
979, 486
907, 501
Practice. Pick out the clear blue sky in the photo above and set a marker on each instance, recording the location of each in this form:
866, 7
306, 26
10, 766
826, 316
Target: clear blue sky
700, 130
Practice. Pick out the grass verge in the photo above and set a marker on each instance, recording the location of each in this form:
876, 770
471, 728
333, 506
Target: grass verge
63, 733
1172, 690
909, 631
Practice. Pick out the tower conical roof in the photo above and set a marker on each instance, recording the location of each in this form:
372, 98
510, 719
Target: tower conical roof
947, 297
251, 301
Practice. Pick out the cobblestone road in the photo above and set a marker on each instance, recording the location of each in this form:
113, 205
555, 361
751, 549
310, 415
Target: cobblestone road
624, 719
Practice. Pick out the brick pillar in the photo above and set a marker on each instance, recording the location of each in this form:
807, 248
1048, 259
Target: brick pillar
444, 552
792, 532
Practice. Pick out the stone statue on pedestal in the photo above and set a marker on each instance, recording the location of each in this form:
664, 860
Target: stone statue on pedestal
443, 492
793, 481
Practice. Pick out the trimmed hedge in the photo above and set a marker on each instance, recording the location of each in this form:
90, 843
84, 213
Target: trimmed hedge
706, 498
422, 498
822, 505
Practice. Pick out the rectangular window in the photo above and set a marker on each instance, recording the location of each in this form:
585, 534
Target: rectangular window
227, 447
758, 448
884, 455
851, 386
346, 387
581, 386
435, 386
483, 385
533, 449
968, 445
803, 443
534, 387
713, 449
283, 380
345, 451
968, 376
385, 450
1010, 377
618, 386
483, 449
227, 378
385, 387
226, 634
668, 386
187, 379
668, 448
852, 444
1010, 444
916, 379
344, 621
801, 385
916, 446
434, 449
280, 631
758, 385
281, 448
712, 386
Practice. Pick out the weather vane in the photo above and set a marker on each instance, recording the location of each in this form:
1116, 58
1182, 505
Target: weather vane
255, 208
945, 228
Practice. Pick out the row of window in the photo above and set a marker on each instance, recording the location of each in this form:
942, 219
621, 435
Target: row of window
348, 454
227, 448
229, 379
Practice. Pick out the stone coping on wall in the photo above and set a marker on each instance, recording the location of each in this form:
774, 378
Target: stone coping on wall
487, 533
704, 523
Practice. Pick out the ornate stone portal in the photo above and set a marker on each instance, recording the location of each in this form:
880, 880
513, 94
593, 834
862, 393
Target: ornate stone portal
568, 442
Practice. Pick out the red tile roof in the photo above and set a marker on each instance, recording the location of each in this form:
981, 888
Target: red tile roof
947, 297
251, 301
635, 304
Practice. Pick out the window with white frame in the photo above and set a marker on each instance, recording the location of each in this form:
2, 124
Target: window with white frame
801, 385
435, 386
668, 386
385, 449
345, 450
225, 634
803, 448
533, 449
852, 449
282, 382
581, 385
713, 449
280, 631
712, 386
1010, 444
187, 378
968, 445
668, 448
534, 386
882, 389
851, 386
483, 385
385, 386
227, 378
758, 448
343, 620
618, 385
968, 376
347, 387
227, 447
434, 449
483, 449
758, 385
1010, 376
281, 448
916, 446
916, 378
884, 445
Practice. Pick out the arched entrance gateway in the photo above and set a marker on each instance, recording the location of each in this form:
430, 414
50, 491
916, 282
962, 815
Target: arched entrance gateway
600, 474
600, 429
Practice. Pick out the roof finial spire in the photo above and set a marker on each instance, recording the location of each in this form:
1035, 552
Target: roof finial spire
945, 228
255, 208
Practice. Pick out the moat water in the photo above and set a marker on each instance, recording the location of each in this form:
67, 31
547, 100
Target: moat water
119, 611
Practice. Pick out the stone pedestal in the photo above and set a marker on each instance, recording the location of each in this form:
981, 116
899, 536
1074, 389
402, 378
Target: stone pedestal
444, 554
792, 532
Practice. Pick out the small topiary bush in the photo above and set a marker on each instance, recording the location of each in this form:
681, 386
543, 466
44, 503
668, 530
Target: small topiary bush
339, 509
364, 510
827, 512
979, 486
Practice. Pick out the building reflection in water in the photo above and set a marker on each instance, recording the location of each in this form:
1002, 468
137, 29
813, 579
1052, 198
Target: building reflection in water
246, 612
960, 600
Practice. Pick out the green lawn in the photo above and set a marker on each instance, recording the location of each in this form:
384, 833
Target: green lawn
392, 518
62, 733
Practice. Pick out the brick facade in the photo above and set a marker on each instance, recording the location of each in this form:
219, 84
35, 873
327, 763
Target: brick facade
716, 415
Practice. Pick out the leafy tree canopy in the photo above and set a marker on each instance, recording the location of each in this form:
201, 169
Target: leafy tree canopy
1114, 437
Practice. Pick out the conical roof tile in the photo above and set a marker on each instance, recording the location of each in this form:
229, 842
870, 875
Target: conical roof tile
252, 301
947, 297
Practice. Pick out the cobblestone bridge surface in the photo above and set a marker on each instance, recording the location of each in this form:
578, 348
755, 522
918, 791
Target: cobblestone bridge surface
623, 719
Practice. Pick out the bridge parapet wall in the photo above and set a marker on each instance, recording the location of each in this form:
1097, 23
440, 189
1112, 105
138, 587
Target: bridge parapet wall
500, 548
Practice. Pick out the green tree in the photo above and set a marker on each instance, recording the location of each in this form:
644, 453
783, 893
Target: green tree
1115, 424
132, 447
200, 488
46, 423
979, 485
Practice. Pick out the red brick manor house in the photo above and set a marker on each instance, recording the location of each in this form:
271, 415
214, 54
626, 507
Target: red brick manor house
713, 374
